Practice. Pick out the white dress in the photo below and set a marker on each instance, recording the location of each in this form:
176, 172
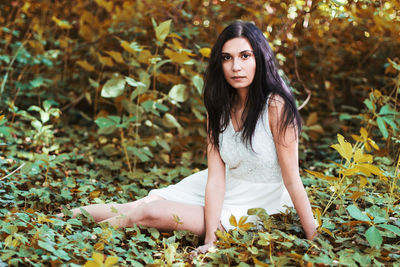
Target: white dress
253, 178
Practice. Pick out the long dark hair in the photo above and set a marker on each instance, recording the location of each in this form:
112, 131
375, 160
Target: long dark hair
219, 96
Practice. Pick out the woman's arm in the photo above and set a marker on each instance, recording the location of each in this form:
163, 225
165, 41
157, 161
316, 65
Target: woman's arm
286, 143
214, 195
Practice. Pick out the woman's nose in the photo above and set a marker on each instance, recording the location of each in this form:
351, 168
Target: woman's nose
236, 65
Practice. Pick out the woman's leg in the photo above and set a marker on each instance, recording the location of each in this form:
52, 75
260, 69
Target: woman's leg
164, 215
101, 212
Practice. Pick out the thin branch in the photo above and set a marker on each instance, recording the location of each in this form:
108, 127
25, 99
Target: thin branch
11, 173
3, 84
308, 91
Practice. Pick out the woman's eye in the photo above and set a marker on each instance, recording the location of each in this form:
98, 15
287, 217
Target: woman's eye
226, 57
246, 56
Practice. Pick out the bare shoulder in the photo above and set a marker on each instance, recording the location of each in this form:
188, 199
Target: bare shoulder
276, 106
276, 102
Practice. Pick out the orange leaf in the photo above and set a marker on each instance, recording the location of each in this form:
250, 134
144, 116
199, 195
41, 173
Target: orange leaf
85, 65
116, 56
259, 263
322, 176
99, 246
344, 148
205, 51
232, 221
175, 56
356, 195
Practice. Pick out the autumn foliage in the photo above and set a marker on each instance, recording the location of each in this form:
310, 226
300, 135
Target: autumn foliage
101, 101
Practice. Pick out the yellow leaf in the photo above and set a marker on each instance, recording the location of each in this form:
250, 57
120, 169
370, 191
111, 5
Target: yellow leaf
317, 214
144, 56
373, 144
242, 220
42, 219
351, 171
357, 194
97, 260
107, 5
312, 119
98, 246
205, 51
232, 220
162, 30
327, 231
246, 226
106, 61
322, 176
91, 263
175, 56
1, 117
360, 157
8, 241
95, 194
363, 182
26, 7
177, 44
116, 56
174, 35
357, 138
86, 33
344, 148
125, 45
63, 24
373, 169
98, 257
364, 133
85, 65
111, 260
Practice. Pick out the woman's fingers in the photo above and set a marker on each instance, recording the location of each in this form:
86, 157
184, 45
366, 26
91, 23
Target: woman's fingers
204, 248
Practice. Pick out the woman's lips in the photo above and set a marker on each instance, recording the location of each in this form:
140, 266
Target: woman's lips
238, 78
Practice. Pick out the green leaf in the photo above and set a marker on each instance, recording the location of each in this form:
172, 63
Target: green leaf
374, 237
390, 227
369, 104
132, 82
104, 122
178, 93
154, 232
170, 121
162, 30
391, 122
47, 246
61, 254
198, 83
37, 125
357, 214
387, 110
382, 127
113, 87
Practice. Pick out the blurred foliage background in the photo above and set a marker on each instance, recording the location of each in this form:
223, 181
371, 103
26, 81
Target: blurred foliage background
104, 98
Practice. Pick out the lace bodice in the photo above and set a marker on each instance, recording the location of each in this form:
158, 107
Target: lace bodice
258, 166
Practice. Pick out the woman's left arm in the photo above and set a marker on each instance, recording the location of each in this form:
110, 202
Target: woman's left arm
286, 143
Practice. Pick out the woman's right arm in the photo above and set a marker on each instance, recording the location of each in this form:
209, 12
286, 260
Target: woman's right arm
214, 195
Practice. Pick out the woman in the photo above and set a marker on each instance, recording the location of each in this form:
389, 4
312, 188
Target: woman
253, 131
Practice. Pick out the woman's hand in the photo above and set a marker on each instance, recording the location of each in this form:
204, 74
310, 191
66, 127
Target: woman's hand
204, 248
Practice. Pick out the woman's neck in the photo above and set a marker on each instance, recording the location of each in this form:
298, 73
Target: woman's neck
240, 100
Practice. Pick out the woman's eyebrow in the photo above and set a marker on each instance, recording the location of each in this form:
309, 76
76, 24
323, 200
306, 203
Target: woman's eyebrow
241, 52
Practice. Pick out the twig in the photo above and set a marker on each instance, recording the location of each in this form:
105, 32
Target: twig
301, 81
11, 173
3, 84
76, 101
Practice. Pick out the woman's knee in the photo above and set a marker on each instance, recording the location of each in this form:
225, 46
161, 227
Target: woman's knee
152, 210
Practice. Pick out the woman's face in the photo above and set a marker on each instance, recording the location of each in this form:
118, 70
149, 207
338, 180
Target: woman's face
238, 63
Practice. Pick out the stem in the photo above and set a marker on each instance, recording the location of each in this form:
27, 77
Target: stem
125, 151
